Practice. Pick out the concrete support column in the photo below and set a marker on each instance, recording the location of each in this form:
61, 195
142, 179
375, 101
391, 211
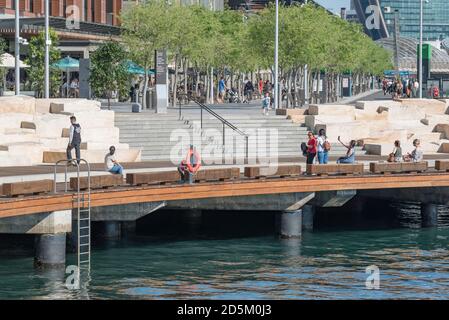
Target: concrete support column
50, 250
194, 219
290, 225
308, 214
128, 227
111, 230
429, 215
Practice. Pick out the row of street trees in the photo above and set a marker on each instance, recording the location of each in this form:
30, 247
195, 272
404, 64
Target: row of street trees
198, 41
236, 45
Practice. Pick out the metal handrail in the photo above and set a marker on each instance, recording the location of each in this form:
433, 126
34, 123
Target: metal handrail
219, 117
67, 162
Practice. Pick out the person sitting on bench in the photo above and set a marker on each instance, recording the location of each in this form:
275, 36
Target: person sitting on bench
183, 171
111, 163
416, 155
350, 153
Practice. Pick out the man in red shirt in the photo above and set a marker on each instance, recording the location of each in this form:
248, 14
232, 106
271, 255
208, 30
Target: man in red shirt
311, 147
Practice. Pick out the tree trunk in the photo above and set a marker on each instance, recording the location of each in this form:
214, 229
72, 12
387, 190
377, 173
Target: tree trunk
145, 87
175, 82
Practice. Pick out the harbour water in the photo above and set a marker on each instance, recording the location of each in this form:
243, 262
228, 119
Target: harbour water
329, 263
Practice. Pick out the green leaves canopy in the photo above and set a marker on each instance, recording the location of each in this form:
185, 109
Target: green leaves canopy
229, 39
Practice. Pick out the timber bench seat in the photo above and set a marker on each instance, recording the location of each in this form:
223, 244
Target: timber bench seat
28, 187
97, 182
327, 169
442, 165
397, 167
281, 171
206, 174
146, 178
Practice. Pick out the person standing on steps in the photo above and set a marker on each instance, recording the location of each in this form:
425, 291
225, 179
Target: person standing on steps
74, 140
323, 147
311, 147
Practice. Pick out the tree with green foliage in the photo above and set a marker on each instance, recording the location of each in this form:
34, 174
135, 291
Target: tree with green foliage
2, 70
36, 61
108, 72
234, 44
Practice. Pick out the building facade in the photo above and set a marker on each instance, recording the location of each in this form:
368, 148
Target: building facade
96, 11
436, 18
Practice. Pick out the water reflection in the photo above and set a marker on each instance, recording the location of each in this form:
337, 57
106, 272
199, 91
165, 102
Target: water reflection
413, 262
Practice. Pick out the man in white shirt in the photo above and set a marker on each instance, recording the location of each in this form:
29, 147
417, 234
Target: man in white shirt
111, 163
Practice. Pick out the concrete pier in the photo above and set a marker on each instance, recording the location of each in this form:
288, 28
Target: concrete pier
50, 250
308, 214
111, 230
429, 215
290, 225
193, 220
128, 228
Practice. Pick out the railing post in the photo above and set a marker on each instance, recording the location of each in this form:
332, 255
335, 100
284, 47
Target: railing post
179, 104
247, 150
224, 140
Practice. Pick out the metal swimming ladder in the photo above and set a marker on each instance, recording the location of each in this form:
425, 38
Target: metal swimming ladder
81, 202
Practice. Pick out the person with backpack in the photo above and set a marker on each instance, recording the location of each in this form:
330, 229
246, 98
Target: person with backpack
311, 147
323, 147
266, 103
74, 140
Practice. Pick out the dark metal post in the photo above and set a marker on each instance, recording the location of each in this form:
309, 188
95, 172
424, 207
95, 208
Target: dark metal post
224, 140
247, 150
201, 117
180, 102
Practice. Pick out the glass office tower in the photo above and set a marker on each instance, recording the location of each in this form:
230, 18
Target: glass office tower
436, 18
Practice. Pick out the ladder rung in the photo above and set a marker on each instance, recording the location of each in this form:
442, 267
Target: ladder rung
84, 253
82, 219
85, 236
84, 228
84, 244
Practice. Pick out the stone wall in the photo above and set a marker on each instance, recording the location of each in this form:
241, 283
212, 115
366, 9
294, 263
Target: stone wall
31, 128
377, 124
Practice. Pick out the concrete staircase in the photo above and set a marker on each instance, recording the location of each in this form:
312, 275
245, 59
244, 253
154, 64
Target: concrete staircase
165, 137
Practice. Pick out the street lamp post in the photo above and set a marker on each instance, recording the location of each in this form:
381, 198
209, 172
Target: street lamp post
420, 48
47, 53
276, 59
17, 48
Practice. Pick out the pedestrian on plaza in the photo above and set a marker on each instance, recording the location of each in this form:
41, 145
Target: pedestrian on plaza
350, 152
221, 89
74, 139
323, 147
311, 147
399, 89
436, 92
248, 91
266, 103
409, 89
260, 87
416, 155
111, 162
396, 154
415, 88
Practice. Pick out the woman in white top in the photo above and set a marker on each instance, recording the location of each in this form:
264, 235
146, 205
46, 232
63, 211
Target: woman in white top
323, 152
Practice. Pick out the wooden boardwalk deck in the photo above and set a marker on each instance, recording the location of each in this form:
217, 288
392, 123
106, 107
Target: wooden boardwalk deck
243, 187
48, 169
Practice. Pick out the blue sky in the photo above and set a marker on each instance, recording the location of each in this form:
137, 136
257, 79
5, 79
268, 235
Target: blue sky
334, 5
